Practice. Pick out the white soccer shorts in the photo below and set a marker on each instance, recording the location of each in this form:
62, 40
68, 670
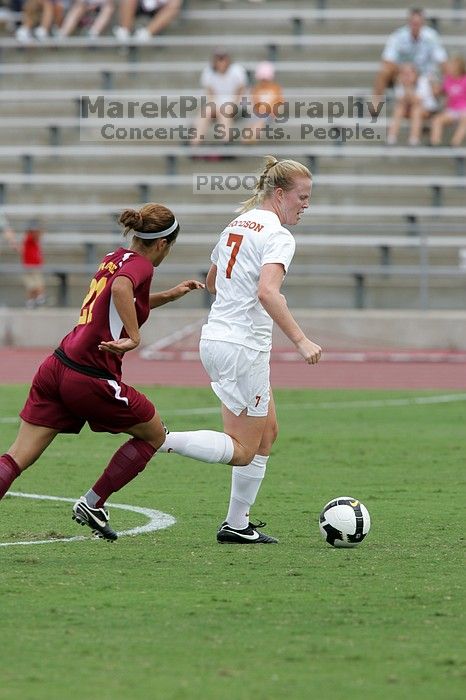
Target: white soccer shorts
240, 376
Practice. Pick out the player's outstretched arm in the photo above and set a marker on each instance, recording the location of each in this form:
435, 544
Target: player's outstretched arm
160, 298
274, 303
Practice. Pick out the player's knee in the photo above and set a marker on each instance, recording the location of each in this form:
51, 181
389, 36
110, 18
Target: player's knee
158, 440
269, 437
154, 437
242, 456
272, 433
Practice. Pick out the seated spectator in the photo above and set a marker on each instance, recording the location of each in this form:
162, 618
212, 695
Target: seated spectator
162, 13
224, 83
414, 101
413, 43
99, 12
39, 16
9, 12
454, 88
8, 233
266, 96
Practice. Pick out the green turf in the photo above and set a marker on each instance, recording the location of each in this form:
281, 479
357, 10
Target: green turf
172, 615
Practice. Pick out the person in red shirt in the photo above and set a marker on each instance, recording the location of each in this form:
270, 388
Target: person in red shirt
81, 381
32, 259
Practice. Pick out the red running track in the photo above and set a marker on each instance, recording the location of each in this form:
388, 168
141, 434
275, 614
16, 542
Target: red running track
17, 365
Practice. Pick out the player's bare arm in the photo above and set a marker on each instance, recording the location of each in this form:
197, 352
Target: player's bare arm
123, 298
160, 298
270, 281
210, 279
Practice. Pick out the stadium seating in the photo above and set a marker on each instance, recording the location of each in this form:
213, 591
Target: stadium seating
383, 220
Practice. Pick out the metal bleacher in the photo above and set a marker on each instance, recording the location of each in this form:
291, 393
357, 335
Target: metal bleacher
386, 225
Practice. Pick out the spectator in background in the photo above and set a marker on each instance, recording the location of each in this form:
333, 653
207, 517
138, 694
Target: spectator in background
266, 97
100, 12
161, 12
414, 101
414, 43
454, 88
32, 259
8, 232
39, 17
224, 82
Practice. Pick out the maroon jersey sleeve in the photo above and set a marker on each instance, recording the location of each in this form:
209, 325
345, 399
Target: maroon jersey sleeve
99, 319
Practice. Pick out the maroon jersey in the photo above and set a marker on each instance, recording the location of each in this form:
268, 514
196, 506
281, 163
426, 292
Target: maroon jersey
99, 319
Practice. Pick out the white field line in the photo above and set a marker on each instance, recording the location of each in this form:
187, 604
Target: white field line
316, 406
157, 519
156, 350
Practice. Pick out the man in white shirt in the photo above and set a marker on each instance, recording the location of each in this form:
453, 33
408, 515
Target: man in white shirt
414, 43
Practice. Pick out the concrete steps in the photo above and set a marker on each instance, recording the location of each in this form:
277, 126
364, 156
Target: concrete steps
326, 291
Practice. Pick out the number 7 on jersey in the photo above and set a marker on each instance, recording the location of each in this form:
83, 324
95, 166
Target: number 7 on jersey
235, 240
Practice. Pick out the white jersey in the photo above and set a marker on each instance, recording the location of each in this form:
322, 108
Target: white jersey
246, 244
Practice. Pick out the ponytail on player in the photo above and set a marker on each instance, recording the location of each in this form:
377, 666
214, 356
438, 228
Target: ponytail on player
151, 222
276, 173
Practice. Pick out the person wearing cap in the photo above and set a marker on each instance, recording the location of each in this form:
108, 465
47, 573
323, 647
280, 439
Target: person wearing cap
81, 380
266, 98
224, 83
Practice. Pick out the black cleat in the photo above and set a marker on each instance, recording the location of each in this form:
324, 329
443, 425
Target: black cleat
250, 535
95, 518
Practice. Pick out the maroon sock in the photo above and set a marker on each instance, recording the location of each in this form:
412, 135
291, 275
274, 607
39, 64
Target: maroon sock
124, 466
9, 470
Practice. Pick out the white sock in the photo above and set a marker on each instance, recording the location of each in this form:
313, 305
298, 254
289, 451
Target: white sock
205, 445
92, 497
245, 485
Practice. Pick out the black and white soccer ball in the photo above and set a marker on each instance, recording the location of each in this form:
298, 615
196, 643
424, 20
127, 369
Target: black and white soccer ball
344, 522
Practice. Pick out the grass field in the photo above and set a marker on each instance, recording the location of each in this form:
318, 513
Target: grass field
172, 615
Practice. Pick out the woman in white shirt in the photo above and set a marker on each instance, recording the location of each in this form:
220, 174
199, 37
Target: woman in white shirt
224, 83
249, 264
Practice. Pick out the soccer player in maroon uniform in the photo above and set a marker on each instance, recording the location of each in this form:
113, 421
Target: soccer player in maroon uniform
81, 381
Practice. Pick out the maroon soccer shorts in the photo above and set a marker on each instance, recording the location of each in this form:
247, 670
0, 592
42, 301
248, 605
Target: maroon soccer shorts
65, 400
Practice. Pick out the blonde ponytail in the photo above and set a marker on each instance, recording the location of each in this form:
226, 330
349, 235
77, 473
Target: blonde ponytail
276, 173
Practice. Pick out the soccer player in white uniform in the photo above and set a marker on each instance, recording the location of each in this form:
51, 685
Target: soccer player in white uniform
249, 263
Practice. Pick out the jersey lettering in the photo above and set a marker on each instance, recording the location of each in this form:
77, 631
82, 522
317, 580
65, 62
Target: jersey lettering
235, 240
258, 398
96, 288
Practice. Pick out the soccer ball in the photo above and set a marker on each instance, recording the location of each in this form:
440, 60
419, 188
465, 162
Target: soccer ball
344, 522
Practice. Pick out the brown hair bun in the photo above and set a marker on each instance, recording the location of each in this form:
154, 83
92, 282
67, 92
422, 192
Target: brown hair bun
130, 218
